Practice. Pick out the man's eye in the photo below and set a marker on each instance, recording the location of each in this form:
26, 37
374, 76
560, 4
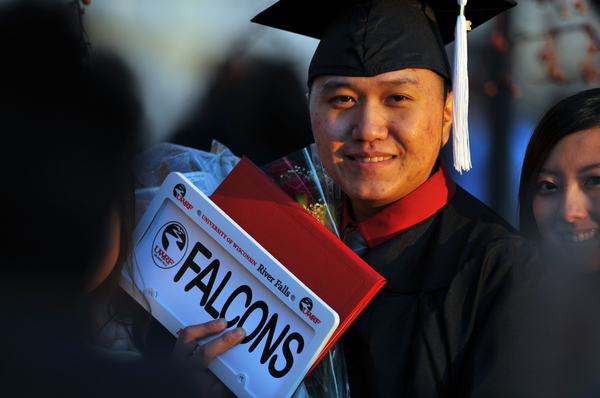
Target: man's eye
342, 98
342, 101
397, 98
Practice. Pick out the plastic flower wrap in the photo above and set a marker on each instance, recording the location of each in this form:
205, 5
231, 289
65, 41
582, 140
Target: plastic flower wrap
302, 176
206, 170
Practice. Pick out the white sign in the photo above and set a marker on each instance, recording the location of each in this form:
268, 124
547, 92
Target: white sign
197, 265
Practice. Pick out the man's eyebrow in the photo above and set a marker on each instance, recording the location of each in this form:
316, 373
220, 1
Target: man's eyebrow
402, 81
337, 84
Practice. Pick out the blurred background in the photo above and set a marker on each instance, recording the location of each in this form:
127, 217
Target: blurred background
203, 71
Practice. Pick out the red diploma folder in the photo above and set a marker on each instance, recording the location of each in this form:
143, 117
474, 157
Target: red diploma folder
301, 243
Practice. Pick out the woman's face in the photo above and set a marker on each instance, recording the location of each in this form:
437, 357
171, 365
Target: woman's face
566, 202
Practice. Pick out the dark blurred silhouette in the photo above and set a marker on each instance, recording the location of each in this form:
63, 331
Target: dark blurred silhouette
68, 131
256, 107
69, 127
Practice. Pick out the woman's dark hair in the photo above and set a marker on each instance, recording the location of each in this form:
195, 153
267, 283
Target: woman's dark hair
119, 305
124, 113
578, 112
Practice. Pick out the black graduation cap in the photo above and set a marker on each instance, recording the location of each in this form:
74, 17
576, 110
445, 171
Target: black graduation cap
369, 37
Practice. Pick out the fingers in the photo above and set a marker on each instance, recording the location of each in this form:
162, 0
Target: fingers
187, 348
207, 352
187, 340
194, 332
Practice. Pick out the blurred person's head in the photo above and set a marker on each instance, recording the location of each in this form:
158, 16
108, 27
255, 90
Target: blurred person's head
68, 130
559, 193
254, 106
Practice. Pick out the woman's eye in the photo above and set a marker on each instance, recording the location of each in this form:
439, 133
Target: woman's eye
593, 181
546, 187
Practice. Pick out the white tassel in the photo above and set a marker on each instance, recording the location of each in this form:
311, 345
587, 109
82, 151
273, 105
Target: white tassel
460, 122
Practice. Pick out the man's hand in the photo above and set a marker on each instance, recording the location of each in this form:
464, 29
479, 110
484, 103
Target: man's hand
195, 358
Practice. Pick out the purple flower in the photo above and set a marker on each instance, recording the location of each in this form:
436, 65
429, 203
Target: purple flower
278, 169
296, 185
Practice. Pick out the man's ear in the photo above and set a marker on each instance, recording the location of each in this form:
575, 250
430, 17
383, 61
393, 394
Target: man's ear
447, 123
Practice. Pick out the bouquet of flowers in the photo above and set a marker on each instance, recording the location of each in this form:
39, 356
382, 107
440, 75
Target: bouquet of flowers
302, 175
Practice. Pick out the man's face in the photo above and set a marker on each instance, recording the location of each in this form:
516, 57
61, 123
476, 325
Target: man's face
379, 137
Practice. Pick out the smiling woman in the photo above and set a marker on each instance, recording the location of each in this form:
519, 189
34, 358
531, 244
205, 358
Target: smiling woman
566, 203
559, 194
559, 207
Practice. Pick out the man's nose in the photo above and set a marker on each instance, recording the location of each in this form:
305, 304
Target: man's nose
370, 124
574, 206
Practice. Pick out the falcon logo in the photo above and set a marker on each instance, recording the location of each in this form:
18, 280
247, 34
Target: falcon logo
170, 245
179, 192
306, 305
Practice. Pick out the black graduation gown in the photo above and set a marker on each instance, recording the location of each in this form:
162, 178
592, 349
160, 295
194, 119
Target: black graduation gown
449, 320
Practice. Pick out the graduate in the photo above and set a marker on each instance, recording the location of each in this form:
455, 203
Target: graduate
383, 100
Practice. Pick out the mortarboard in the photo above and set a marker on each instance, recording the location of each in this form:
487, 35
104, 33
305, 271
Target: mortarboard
370, 37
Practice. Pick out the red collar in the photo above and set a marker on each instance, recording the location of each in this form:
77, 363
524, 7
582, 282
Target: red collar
410, 210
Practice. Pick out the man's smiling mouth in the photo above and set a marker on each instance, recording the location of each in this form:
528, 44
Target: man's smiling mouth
373, 160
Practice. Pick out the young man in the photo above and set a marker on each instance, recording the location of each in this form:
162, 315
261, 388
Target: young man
447, 323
